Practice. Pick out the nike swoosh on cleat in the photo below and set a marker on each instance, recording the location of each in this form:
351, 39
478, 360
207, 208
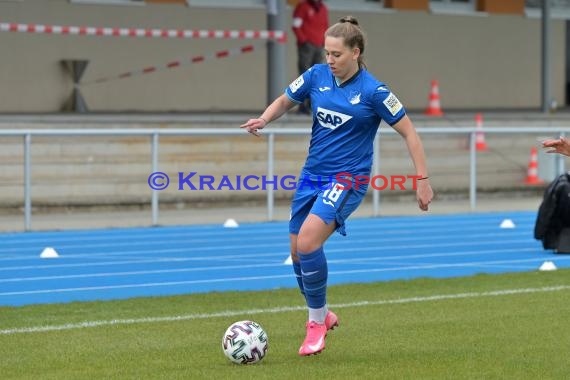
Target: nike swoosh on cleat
315, 347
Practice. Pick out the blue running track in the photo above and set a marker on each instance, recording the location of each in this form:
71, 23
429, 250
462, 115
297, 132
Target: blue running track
134, 262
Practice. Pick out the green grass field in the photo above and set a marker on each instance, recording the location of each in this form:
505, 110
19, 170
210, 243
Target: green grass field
511, 326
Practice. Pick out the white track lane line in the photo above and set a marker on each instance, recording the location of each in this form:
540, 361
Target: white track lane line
244, 247
264, 278
384, 260
384, 226
276, 255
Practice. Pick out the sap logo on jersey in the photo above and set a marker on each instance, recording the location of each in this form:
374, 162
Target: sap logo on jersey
330, 119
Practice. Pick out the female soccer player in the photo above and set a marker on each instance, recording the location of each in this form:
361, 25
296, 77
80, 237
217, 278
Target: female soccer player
347, 104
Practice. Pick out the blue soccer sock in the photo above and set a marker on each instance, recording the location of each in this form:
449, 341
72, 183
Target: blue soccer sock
314, 270
298, 276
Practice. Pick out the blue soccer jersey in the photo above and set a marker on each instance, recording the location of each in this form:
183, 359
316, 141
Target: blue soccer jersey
345, 119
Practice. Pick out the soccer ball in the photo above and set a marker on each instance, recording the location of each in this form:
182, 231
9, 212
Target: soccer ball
245, 342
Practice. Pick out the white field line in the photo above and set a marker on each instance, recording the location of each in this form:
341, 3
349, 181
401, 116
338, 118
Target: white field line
284, 309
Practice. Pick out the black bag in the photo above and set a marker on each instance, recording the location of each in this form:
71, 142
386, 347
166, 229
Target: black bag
553, 220
564, 241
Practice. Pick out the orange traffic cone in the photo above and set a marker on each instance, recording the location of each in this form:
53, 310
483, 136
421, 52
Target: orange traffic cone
480, 144
434, 108
532, 173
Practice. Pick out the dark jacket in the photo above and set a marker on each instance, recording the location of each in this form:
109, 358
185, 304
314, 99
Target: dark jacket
554, 212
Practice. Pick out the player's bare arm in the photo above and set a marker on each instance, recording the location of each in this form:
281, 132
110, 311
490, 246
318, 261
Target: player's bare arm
406, 129
274, 111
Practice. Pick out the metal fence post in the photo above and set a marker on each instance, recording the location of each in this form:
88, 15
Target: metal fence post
27, 182
472, 171
154, 194
270, 167
561, 160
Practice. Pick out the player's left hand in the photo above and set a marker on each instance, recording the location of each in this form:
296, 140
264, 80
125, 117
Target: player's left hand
424, 194
253, 126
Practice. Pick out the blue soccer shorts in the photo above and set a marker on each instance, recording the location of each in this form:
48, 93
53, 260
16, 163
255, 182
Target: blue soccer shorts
328, 200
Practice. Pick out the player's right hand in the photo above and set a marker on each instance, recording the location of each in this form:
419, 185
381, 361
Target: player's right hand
253, 126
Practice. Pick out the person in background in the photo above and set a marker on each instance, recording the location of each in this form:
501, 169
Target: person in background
310, 22
349, 104
561, 145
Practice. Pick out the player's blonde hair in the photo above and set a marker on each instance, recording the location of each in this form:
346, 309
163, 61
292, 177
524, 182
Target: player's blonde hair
348, 28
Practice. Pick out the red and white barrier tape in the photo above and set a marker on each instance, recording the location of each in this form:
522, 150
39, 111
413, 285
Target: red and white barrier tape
176, 64
278, 35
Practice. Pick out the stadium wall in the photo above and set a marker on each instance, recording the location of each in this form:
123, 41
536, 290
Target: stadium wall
481, 61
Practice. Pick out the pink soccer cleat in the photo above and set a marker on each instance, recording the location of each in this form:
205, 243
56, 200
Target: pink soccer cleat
315, 340
331, 321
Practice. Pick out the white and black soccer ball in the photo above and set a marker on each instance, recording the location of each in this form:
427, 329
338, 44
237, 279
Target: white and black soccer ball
245, 342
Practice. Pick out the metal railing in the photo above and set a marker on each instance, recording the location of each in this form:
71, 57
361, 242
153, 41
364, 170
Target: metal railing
154, 135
